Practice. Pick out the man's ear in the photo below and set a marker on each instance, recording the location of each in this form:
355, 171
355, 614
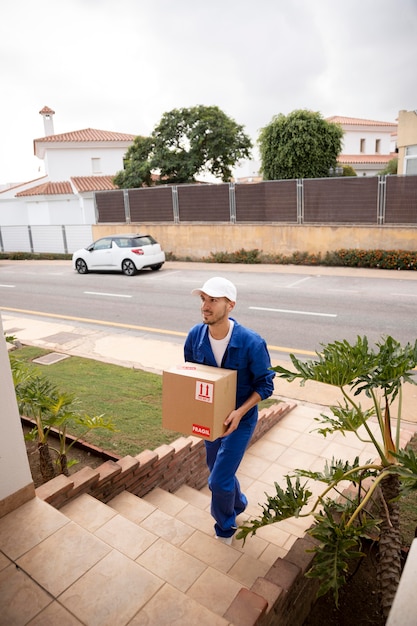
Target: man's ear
231, 305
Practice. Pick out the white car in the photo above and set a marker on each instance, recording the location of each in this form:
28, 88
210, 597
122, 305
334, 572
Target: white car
125, 253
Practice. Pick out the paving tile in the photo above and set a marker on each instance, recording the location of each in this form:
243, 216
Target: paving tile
256, 497
193, 496
88, 512
27, 526
168, 502
296, 459
269, 450
172, 565
247, 569
281, 434
169, 528
275, 473
272, 553
214, 590
55, 614
21, 598
4, 561
111, 592
126, 536
195, 517
253, 466
134, 508
61, 558
274, 534
170, 608
211, 552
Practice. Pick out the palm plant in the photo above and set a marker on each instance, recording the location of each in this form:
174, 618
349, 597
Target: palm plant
370, 506
50, 408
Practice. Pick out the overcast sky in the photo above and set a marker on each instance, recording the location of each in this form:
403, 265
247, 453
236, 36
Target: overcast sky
119, 66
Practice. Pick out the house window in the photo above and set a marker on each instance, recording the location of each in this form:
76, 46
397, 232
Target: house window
377, 146
96, 165
410, 160
363, 146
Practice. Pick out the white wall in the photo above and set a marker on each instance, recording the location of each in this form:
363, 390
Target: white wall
61, 163
14, 465
352, 142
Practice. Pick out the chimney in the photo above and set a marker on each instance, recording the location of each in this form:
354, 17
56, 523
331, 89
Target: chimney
48, 121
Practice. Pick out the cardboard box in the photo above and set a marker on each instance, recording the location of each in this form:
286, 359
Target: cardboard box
196, 399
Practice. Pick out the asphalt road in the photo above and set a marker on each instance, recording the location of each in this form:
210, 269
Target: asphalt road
294, 309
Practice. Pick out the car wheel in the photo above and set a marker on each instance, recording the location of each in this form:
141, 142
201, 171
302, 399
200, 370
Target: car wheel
156, 267
81, 266
128, 267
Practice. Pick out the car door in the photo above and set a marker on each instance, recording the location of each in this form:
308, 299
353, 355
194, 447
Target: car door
101, 254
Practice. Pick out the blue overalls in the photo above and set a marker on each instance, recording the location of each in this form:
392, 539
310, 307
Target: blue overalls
247, 353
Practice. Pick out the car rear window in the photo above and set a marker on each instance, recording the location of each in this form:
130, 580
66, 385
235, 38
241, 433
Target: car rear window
144, 240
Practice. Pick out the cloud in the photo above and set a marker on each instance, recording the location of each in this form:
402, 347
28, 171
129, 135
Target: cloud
120, 66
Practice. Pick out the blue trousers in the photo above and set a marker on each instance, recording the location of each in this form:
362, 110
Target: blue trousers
223, 459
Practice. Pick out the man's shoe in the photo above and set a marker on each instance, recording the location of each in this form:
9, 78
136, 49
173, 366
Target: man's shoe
226, 540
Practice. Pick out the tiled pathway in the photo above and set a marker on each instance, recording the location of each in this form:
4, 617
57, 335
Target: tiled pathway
154, 561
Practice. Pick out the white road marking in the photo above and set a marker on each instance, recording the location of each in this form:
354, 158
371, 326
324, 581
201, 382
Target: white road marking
112, 295
261, 308
405, 295
8, 286
297, 282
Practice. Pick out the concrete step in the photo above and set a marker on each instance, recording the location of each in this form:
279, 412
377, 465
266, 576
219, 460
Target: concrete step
173, 542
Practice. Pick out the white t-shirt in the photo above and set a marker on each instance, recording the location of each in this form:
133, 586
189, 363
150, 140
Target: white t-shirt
219, 345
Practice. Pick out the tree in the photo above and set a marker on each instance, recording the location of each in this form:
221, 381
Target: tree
348, 170
185, 143
391, 168
341, 526
300, 145
137, 165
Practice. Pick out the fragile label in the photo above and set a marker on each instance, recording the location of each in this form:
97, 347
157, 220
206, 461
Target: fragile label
203, 431
204, 391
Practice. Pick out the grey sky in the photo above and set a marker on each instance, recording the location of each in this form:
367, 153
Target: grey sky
120, 65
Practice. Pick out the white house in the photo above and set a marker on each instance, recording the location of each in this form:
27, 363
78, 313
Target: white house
368, 145
77, 164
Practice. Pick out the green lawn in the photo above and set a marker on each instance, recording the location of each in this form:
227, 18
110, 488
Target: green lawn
131, 398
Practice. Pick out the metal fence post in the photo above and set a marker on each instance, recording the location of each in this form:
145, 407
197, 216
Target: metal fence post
232, 203
30, 239
381, 200
175, 204
300, 201
64, 239
127, 205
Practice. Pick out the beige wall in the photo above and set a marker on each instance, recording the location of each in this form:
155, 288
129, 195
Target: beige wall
199, 240
407, 135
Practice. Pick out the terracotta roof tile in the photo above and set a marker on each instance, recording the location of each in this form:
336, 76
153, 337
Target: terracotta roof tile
15, 186
93, 183
360, 159
46, 110
355, 121
48, 189
88, 134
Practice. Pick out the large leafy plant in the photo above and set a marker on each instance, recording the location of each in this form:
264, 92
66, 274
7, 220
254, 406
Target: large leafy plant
51, 410
369, 508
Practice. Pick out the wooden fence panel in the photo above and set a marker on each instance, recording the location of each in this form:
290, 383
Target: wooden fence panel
348, 200
204, 203
272, 201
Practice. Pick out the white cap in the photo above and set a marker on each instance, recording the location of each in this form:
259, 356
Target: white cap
217, 287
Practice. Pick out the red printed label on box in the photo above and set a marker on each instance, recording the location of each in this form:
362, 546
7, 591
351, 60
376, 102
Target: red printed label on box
203, 431
204, 391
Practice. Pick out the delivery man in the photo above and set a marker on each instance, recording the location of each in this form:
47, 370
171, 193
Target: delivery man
221, 341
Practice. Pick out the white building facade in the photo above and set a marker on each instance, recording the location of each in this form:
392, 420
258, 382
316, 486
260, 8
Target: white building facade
77, 164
